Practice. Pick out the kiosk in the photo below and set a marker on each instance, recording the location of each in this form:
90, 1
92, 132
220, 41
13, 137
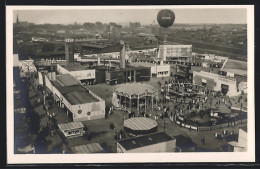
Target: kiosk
73, 129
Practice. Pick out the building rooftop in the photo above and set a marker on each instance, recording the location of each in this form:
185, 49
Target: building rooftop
142, 64
70, 126
65, 80
87, 149
184, 142
145, 140
235, 66
213, 75
75, 67
76, 94
135, 88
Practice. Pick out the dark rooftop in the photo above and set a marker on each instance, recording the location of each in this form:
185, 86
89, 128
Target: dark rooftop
236, 67
51, 53
65, 80
76, 94
145, 140
184, 142
75, 67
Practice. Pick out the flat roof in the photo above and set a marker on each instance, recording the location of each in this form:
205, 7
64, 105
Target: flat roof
235, 66
142, 64
146, 64
145, 140
65, 80
76, 94
70, 126
213, 75
88, 148
75, 67
134, 88
184, 142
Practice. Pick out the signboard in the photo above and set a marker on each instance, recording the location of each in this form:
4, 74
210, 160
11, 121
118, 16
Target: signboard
84, 74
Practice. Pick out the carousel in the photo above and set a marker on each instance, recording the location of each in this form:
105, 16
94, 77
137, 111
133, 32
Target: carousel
134, 96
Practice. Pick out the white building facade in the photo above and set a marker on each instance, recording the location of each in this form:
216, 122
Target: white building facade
175, 52
160, 70
216, 82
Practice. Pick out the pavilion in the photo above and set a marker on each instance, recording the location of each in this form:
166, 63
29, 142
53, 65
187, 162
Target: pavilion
135, 96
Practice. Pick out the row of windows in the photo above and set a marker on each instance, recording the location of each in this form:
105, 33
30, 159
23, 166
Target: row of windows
163, 73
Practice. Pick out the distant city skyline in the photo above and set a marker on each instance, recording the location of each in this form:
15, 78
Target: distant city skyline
124, 16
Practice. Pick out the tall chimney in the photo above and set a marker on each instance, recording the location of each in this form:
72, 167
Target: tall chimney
69, 55
122, 57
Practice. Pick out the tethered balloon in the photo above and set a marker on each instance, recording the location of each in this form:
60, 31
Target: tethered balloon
165, 19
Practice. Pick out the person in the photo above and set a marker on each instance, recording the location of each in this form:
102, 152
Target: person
225, 132
204, 141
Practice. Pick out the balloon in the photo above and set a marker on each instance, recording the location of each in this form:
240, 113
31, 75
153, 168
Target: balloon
165, 18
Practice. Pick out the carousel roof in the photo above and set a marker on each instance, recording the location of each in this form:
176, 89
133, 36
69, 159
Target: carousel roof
135, 88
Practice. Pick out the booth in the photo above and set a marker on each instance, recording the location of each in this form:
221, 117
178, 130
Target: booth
73, 129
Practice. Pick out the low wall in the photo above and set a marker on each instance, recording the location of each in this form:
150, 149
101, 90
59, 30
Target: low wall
209, 128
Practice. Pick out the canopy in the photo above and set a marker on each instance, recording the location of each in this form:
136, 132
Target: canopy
70, 126
140, 125
135, 88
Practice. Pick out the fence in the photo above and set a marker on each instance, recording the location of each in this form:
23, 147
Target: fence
211, 127
203, 128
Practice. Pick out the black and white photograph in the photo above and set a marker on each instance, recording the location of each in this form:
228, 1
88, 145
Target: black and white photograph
109, 84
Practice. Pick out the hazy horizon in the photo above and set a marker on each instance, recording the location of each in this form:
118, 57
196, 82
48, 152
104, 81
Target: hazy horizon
124, 16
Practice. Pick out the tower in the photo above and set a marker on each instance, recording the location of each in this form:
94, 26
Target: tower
122, 57
17, 19
69, 54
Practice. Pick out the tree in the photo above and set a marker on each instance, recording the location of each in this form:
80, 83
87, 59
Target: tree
99, 25
89, 26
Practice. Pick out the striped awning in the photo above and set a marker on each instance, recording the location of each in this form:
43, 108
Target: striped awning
70, 126
87, 149
140, 123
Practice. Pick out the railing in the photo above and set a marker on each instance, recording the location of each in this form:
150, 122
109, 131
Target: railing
204, 128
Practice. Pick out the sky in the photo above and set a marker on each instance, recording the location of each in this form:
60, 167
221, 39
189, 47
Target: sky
124, 16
